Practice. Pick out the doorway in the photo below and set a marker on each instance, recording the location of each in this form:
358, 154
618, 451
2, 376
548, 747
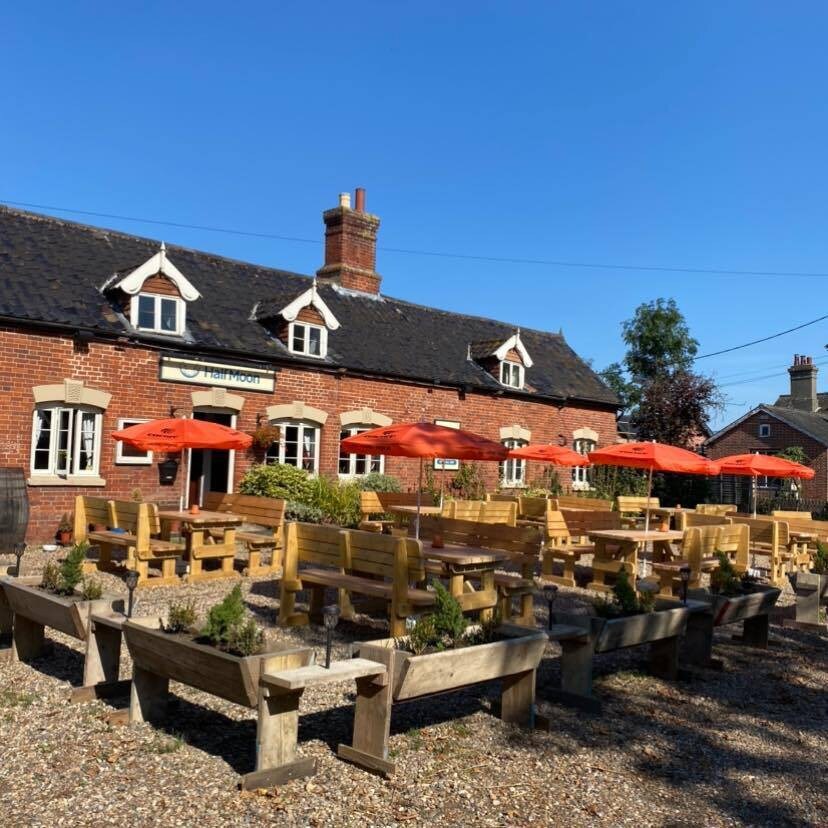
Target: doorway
211, 470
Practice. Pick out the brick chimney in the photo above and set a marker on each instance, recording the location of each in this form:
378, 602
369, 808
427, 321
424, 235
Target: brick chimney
803, 384
351, 245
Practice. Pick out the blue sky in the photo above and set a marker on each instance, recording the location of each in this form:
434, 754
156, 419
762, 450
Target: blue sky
637, 133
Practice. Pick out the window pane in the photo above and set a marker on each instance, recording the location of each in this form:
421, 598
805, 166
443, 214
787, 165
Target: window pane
146, 312
309, 448
344, 459
169, 310
41, 438
298, 344
291, 456
64, 435
87, 440
315, 341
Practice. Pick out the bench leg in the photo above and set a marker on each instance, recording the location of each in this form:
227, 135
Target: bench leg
101, 667
28, 638
227, 567
517, 698
576, 668
148, 696
276, 733
168, 571
196, 570
697, 646
143, 572
664, 658
487, 584
317, 602
755, 631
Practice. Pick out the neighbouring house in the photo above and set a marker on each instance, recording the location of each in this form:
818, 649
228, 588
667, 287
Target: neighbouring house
100, 329
799, 418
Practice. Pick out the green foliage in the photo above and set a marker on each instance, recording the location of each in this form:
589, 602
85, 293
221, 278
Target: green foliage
430, 488
277, 480
65, 524
547, 484
610, 481
820, 562
442, 629
423, 635
223, 617
51, 576
245, 639
376, 482
181, 616
724, 579
613, 376
303, 513
91, 589
63, 578
468, 483
338, 502
625, 600
796, 454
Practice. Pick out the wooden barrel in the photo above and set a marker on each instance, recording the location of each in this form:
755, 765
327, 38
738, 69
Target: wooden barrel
14, 508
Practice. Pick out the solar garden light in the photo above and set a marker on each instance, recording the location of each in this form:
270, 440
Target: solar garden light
684, 574
330, 617
19, 549
131, 580
550, 593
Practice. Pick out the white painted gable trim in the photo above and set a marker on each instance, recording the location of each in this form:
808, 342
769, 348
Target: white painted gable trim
310, 298
514, 342
159, 263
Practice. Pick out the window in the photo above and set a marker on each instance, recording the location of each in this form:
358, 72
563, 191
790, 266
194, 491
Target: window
511, 374
298, 446
310, 340
159, 314
356, 465
764, 430
66, 441
513, 471
580, 474
129, 454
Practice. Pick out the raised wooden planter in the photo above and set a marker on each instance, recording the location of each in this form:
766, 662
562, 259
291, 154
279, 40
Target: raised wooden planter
583, 636
34, 609
753, 610
811, 591
514, 660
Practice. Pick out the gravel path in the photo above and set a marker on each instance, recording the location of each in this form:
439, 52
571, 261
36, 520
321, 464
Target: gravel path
745, 746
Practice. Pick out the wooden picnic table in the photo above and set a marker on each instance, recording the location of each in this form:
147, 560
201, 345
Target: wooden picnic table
458, 562
618, 548
207, 535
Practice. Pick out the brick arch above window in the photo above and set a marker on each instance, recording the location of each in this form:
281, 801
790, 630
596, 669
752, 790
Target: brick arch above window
585, 434
217, 398
297, 411
72, 392
364, 416
515, 432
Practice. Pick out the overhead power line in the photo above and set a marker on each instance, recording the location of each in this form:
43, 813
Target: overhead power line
432, 253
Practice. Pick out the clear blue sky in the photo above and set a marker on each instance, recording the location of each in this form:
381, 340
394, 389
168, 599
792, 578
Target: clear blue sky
643, 133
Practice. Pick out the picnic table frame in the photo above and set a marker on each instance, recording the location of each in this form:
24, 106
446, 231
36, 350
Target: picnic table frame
617, 549
200, 543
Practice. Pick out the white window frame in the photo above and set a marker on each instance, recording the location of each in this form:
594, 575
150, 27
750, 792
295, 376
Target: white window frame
144, 459
75, 434
580, 474
512, 367
352, 473
764, 430
303, 425
180, 313
323, 339
508, 468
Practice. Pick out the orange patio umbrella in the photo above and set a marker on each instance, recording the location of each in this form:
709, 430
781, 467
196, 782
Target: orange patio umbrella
653, 457
426, 441
766, 465
176, 434
557, 455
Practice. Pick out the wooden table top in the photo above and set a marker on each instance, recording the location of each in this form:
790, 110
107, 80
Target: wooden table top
202, 517
638, 535
463, 555
412, 510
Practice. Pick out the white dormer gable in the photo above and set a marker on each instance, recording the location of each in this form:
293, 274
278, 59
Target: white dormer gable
132, 283
310, 299
514, 343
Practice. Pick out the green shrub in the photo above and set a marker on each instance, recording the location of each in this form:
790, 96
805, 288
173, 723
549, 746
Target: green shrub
376, 482
303, 513
724, 579
71, 570
51, 576
181, 616
449, 621
278, 480
468, 483
223, 617
625, 600
91, 589
338, 502
820, 562
246, 638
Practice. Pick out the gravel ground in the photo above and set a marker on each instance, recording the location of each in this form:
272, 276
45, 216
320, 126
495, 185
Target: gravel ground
745, 746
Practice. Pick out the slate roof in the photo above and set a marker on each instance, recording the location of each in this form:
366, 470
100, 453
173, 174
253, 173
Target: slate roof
784, 401
52, 271
813, 425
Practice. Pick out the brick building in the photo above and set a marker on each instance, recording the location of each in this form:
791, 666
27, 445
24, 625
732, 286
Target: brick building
796, 419
99, 329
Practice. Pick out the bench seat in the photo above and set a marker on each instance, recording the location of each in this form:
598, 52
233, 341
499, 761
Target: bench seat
363, 586
259, 539
125, 539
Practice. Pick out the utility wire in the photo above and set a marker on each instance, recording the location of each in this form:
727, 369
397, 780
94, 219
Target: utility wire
431, 253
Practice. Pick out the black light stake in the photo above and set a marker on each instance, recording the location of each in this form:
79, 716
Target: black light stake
684, 574
131, 583
550, 592
19, 549
330, 617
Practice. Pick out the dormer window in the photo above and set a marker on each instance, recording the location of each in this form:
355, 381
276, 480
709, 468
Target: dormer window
511, 374
158, 314
307, 339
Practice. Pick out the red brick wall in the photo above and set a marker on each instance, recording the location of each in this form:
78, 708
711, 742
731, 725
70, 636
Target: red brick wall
160, 284
130, 374
745, 439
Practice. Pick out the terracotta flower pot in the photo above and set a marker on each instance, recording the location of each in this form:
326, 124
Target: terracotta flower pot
194, 509
437, 542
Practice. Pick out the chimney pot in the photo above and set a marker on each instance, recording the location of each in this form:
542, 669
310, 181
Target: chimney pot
803, 375
345, 200
359, 200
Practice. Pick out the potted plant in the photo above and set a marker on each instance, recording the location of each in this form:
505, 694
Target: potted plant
64, 530
442, 653
62, 598
811, 590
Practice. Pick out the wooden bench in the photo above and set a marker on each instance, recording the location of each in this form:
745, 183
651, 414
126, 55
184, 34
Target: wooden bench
769, 538
715, 508
632, 507
268, 512
351, 561
688, 519
521, 543
581, 502
138, 522
482, 511
533, 509
375, 507
698, 548
567, 540
790, 513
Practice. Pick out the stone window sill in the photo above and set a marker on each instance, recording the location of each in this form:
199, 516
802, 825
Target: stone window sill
77, 481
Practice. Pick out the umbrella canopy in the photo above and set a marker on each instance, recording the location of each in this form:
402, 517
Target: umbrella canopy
557, 455
653, 457
754, 465
176, 434
425, 440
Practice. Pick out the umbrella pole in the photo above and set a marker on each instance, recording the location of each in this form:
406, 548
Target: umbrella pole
754, 495
185, 473
419, 498
649, 495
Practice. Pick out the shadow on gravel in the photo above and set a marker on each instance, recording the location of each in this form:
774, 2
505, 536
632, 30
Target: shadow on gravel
60, 662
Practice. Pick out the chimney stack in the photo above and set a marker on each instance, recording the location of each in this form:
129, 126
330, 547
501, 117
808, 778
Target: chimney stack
351, 245
803, 384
